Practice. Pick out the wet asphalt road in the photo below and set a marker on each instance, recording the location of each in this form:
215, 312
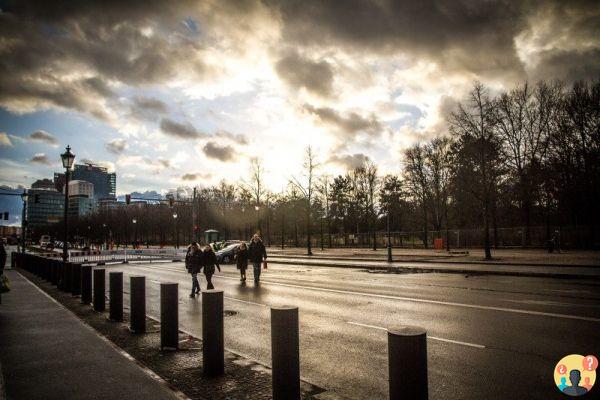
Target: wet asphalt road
490, 337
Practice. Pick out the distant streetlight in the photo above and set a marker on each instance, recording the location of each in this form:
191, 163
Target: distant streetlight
24, 196
257, 209
134, 232
176, 232
67, 161
389, 237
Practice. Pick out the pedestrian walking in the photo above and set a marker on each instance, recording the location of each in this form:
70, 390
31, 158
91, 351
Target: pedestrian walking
193, 263
209, 263
241, 257
257, 253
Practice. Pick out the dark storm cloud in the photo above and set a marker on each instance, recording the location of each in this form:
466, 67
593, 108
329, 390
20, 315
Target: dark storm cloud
116, 146
40, 158
235, 137
43, 136
349, 124
216, 151
462, 36
299, 72
348, 161
44, 43
569, 65
179, 130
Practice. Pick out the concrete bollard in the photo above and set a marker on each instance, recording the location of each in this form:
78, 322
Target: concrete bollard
61, 275
285, 351
68, 277
86, 284
407, 359
115, 288
137, 304
99, 288
54, 272
169, 316
213, 354
76, 280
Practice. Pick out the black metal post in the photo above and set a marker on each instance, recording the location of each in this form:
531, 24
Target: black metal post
86, 284
389, 239
407, 360
137, 305
24, 224
213, 354
169, 316
76, 279
66, 216
115, 288
285, 350
68, 277
99, 289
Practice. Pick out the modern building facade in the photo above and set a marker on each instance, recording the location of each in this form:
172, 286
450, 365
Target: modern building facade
81, 205
44, 206
81, 188
105, 183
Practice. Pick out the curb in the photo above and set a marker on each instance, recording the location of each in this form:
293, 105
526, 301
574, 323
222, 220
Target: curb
398, 269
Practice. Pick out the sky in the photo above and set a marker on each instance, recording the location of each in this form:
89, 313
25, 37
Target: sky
185, 93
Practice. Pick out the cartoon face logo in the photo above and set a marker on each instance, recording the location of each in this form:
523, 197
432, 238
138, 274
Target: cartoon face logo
575, 375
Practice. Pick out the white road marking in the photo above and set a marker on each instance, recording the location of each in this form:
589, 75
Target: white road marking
416, 300
246, 301
477, 346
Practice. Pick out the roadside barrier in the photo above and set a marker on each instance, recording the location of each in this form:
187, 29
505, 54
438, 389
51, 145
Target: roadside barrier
407, 359
213, 353
86, 284
285, 352
115, 288
407, 345
169, 316
99, 289
137, 304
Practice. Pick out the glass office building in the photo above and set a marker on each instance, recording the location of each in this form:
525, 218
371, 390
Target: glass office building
44, 206
105, 183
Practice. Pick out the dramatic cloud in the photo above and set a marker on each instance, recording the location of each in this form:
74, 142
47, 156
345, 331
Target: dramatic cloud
190, 177
179, 130
349, 161
299, 72
351, 124
40, 158
116, 146
221, 153
45, 137
4, 140
237, 138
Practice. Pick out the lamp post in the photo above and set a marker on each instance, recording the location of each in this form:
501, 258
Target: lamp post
134, 232
389, 237
257, 208
67, 159
24, 221
176, 232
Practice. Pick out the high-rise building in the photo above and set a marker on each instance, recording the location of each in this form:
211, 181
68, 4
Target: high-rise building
80, 205
44, 206
81, 188
105, 183
43, 184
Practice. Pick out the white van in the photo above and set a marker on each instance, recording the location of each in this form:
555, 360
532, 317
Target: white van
44, 241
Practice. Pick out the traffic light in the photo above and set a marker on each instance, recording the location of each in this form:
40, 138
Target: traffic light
6, 216
127, 199
196, 228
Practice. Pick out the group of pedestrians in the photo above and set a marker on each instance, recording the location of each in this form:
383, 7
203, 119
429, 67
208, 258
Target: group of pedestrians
198, 259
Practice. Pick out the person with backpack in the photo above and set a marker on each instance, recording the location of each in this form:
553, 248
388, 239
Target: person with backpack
241, 257
209, 263
257, 253
193, 263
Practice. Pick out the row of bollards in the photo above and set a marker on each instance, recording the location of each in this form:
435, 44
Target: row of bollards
407, 346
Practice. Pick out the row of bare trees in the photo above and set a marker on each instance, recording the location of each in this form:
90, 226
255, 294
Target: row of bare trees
526, 157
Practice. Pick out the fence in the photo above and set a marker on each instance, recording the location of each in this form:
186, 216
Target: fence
122, 255
564, 237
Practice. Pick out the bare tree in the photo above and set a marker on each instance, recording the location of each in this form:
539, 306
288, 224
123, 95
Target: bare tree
417, 181
323, 189
256, 187
438, 159
307, 188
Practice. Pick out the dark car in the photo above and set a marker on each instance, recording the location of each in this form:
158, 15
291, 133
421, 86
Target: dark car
227, 255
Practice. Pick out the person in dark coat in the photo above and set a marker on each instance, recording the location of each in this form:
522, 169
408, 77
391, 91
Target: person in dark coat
193, 263
209, 263
257, 253
241, 257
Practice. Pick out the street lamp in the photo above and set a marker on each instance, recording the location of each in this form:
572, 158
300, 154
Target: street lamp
389, 237
24, 196
176, 232
257, 208
67, 161
134, 232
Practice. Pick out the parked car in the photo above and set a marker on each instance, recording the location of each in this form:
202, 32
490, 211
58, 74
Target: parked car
227, 254
44, 241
